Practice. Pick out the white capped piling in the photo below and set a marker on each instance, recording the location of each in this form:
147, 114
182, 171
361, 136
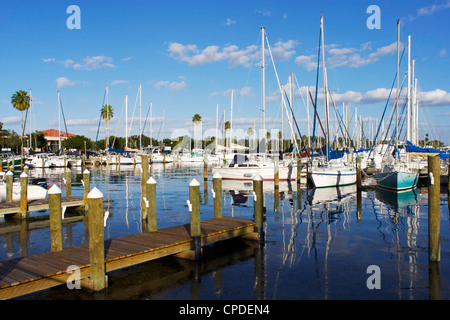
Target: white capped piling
9, 186
195, 230
434, 209
144, 178
217, 194
151, 207
23, 211
97, 280
55, 217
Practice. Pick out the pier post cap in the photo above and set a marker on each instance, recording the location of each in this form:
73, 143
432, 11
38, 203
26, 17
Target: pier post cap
24, 175
194, 183
26, 167
86, 171
151, 180
68, 170
217, 176
54, 190
95, 194
9, 173
257, 177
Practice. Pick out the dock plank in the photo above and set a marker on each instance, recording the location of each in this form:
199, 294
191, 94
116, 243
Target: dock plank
44, 270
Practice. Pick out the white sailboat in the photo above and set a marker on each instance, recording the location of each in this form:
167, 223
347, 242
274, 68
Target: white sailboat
332, 173
396, 175
252, 164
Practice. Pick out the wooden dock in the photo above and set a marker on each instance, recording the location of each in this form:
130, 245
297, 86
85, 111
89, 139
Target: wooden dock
30, 274
38, 205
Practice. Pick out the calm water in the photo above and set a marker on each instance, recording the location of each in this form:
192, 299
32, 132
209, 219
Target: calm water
318, 244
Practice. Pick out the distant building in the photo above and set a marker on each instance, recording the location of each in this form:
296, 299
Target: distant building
52, 136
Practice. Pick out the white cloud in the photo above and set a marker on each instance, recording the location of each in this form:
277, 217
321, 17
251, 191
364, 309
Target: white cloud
443, 53
229, 22
63, 81
10, 120
90, 63
172, 86
429, 10
350, 57
115, 82
244, 92
127, 59
282, 50
264, 13
437, 97
48, 59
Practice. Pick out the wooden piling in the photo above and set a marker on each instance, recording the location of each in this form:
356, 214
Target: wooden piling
195, 230
86, 187
217, 189
9, 186
26, 169
358, 172
68, 178
276, 174
144, 178
151, 209
434, 210
299, 169
55, 217
97, 278
258, 203
23, 211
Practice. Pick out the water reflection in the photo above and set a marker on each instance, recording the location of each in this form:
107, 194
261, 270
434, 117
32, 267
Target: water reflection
319, 242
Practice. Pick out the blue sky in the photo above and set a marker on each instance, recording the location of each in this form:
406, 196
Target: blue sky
188, 55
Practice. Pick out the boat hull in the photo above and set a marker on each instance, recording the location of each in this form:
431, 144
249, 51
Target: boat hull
395, 180
322, 178
248, 173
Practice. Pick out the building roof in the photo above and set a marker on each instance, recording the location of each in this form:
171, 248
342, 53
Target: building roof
52, 134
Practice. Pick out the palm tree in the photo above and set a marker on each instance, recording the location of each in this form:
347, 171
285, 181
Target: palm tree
107, 113
21, 101
196, 118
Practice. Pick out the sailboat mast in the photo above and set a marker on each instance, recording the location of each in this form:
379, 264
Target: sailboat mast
396, 100
140, 116
59, 123
126, 121
263, 83
325, 89
408, 122
107, 120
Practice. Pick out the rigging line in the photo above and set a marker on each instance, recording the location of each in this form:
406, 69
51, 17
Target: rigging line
385, 107
118, 125
341, 120
295, 121
279, 86
100, 120
64, 118
315, 99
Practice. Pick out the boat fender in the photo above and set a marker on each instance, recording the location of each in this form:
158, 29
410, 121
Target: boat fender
189, 205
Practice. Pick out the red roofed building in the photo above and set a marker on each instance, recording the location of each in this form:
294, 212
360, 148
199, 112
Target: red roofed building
52, 137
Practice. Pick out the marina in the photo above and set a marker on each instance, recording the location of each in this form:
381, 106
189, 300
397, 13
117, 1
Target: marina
294, 152
307, 231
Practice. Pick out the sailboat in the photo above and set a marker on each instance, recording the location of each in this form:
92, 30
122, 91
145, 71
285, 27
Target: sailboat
247, 166
396, 175
333, 173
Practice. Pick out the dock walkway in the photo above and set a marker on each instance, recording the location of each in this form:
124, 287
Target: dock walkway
38, 205
33, 273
